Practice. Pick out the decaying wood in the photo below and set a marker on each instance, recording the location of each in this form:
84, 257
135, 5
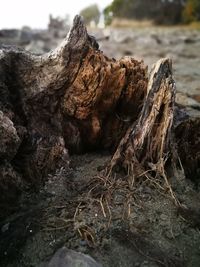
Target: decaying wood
187, 135
75, 99
146, 144
72, 99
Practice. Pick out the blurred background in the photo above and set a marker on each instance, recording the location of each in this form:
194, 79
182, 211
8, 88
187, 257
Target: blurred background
143, 29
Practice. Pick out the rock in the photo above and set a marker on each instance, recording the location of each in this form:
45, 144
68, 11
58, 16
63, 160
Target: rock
68, 258
36, 46
26, 36
121, 36
187, 101
196, 97
189, 40
9, 33
163, 217
5, 227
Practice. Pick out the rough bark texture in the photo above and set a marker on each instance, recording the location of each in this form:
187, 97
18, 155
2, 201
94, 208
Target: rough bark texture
188, 145
146, 144
75, 99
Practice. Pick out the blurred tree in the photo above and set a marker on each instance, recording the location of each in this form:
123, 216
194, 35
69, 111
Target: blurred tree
170, 12
191, 11
91, 13
159, 11
108, 15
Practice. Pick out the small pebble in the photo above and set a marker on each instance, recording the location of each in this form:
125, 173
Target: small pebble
5, 227
163, 217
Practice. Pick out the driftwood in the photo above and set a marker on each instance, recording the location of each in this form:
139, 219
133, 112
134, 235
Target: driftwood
75, 99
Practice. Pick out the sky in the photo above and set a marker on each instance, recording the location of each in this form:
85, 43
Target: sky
35, 13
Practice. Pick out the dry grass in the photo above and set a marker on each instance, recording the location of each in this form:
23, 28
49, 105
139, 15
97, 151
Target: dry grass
128, 23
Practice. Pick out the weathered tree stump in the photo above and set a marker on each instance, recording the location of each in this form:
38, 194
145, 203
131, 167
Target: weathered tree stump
147, 141
75, 99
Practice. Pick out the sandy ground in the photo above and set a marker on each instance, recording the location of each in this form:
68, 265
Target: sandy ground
118, 223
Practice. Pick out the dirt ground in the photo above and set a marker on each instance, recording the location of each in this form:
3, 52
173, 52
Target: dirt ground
135, 226
119, 222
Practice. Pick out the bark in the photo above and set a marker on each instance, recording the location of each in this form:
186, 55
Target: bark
187, 135
146, 144
71, 99
163, 134
75, 99
9, 138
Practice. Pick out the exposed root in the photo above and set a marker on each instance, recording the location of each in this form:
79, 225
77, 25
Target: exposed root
146, 147
143, 152
87, 234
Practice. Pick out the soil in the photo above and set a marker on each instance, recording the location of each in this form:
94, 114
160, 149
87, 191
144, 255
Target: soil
135, 226
118, 221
